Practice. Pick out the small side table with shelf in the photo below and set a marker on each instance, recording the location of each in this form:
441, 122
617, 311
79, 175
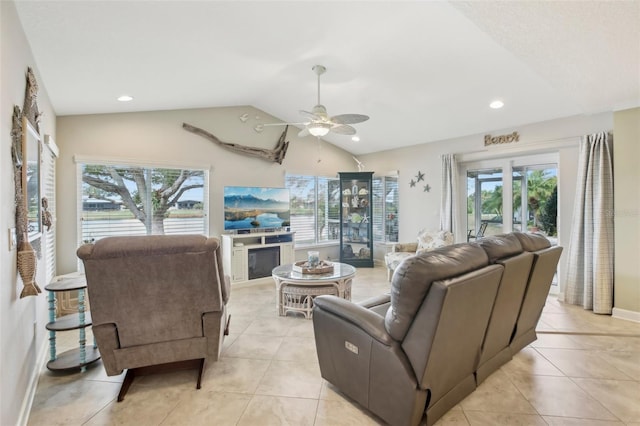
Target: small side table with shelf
81, 356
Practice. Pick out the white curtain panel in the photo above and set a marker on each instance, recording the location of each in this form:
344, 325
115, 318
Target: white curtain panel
591, 249
448, 195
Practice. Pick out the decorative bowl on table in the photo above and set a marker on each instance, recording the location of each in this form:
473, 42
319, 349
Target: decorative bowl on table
303, 267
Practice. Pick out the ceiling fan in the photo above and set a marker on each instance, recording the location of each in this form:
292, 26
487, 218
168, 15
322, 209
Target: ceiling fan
319, 123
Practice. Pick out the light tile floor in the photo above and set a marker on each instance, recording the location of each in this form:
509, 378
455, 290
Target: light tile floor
584, 369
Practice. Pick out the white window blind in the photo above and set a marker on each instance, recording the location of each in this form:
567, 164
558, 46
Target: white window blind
315, 209
49, 191
329, 209
140, 200
385, 208
377, 209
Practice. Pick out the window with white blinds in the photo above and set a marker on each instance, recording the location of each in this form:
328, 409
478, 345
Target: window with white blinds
315, 208
140, 200
385, 208
49, 156
377, 208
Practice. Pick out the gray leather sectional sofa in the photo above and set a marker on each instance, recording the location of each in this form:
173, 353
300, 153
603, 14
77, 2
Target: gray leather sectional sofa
453, 316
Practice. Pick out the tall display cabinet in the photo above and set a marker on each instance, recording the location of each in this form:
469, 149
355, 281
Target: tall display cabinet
356, 221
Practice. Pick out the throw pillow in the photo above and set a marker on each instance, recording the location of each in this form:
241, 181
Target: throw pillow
429, 240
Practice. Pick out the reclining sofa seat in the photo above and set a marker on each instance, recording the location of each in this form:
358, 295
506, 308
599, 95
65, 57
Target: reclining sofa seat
530, 263
545, 263
419, 358
507, 251
156, 300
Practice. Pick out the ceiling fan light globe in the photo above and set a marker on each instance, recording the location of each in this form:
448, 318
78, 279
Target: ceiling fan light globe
318, 129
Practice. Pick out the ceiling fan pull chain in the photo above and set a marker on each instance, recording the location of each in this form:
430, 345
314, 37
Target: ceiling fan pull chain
319, 150
319, 90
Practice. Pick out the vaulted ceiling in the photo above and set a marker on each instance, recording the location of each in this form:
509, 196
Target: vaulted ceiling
422, 70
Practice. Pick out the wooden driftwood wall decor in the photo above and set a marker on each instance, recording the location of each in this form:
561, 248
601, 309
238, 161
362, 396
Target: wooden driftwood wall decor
275, 155
18, 162
30, 108
27, 258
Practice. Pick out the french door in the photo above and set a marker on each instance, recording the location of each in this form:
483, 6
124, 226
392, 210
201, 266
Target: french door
512, 195
518, 194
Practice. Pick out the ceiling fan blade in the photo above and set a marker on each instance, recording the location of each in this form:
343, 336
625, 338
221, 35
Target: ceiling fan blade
304, 132
311, 115
343, 129
349, 118
285, 124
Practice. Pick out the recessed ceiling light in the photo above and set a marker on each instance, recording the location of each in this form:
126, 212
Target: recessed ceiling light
356, 138
497, 104
125, 98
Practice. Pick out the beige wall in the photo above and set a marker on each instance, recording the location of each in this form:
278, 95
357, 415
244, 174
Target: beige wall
158, 137
626, 154
419, 209
23, 336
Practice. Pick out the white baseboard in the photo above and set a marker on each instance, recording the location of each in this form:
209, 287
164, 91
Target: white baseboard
616, 312
30, 394
625, 314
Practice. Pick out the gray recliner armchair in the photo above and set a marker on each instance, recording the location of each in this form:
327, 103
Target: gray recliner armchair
156, 302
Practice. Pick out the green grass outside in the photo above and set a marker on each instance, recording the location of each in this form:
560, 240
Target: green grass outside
126, 214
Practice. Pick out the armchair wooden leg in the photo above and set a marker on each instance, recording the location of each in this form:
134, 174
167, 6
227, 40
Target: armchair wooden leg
128, 379
200, 372
226, 329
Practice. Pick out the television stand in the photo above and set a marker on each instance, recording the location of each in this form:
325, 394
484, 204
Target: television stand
250, 257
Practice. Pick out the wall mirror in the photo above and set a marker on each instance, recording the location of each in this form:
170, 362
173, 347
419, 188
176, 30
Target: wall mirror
31, 178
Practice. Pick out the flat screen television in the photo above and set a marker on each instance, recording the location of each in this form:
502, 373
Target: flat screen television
255, 208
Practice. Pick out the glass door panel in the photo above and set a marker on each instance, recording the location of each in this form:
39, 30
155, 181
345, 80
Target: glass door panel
484, 203
535, 199
518, 200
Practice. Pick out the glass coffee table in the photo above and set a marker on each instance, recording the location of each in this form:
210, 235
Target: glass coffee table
295, 291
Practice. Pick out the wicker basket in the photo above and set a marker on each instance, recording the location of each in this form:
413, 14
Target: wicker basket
300, 298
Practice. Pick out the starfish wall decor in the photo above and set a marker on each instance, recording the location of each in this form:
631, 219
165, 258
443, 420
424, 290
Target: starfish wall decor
418, 178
